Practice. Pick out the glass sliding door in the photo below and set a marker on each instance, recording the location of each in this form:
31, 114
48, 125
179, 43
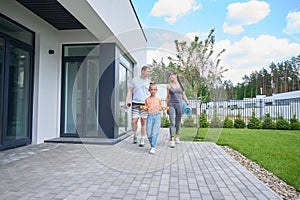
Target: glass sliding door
125, 73
94, 88
122, 98
16, 83
2, 47
80, 97
18, 93
92, 97
69, 125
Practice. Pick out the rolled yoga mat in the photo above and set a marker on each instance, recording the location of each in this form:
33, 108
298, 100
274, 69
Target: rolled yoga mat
185, 109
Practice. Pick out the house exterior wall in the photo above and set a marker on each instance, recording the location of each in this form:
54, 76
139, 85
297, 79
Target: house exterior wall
111, 21
47, 67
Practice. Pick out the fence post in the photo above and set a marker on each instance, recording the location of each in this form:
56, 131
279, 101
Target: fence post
261, 109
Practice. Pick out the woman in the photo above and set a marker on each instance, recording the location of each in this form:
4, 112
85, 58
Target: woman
175, 95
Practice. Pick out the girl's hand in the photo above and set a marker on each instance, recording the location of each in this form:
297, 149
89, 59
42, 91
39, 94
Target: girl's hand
165, 107
144, 107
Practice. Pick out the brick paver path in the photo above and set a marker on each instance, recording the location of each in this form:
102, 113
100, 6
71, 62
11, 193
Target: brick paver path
126, 171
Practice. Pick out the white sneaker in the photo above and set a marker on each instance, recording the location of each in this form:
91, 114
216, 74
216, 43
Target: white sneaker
177, 141
172, 144
135, 138
142, 142
152, 150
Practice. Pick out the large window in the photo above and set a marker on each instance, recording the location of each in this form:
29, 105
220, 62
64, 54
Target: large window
125, 76
2, 46
94, 90
16, 31
16, 83
80, 91
18, 93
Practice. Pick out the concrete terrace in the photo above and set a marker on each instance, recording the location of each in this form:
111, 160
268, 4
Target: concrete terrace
126, 171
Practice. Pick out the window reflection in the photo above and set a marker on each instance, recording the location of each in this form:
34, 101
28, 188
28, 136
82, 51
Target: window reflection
125, 75
16, 31
17, 127
1, 79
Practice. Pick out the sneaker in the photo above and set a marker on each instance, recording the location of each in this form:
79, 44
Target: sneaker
135, 138
142, 142
172, 144
177, 141
152, 150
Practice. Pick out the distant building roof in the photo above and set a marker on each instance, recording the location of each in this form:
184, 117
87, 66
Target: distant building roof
285, 95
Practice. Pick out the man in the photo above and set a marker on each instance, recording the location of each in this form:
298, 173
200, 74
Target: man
139, 90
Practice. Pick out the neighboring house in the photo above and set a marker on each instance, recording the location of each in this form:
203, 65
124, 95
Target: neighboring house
62, 63
283, 104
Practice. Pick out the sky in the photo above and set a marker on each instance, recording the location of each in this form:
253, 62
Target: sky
253, 33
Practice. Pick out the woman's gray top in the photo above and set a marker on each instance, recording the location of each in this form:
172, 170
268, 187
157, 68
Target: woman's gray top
175, 94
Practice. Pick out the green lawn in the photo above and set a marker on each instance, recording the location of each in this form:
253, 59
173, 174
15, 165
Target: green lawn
277, 151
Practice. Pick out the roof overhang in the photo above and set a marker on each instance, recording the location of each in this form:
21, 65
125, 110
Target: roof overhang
108, 23
52, 12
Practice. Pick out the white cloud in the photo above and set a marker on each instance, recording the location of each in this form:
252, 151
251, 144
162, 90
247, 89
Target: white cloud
192, 35
240, 58
234, 30
173, 9
243, 14
250, 54
293, 23
167, 48
163, 52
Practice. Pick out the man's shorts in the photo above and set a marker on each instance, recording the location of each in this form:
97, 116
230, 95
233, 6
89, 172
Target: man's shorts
138, 112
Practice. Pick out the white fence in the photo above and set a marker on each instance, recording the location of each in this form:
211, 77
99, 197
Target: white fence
231, 108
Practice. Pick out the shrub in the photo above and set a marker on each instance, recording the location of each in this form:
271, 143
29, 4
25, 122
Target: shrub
295, 124
165, 122
239, 122
216, 122
203, 123
189, 122
282, 124
228, 123
254, 122
268, 122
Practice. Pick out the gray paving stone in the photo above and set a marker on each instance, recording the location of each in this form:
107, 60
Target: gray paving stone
153, 191
126, 171
195, 193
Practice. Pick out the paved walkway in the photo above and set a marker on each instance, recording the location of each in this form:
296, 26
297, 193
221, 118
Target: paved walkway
126, 171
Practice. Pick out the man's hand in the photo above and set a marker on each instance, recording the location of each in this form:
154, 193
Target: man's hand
128, 104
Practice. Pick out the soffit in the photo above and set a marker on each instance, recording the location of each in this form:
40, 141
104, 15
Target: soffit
53, 13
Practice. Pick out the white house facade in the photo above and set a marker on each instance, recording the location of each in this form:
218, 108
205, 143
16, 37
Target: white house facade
64, 68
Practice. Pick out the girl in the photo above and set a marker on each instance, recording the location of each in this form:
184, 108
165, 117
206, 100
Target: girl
153, 105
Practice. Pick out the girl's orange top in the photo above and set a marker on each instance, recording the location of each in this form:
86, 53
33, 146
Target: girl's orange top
153, 104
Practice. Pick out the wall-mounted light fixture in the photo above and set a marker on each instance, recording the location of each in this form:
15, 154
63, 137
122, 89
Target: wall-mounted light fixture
51, 51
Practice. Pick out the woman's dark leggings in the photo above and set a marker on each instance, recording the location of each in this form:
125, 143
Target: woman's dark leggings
175, 113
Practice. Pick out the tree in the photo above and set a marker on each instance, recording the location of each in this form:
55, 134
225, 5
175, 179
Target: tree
281, 77
199, 65
159, 72
196, 62
229, 88
203, 123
